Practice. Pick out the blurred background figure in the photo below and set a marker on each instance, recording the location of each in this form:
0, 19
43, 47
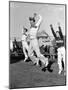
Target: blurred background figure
15, 46
24, 42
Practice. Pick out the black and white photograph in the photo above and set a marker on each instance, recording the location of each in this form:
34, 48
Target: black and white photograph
37, 44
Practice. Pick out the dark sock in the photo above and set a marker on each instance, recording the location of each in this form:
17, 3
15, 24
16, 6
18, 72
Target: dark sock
49, 67
40, 64
44, 69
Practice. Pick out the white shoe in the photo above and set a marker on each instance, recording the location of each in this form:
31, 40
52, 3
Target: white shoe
59, 71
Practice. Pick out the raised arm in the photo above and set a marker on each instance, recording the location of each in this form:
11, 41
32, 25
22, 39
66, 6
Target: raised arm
39, 21
60, 32
54, 34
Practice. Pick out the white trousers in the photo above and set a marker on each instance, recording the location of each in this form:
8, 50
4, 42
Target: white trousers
61, 56
25, 47
34, 46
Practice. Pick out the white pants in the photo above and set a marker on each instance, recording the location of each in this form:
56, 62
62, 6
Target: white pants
30, 52
34, 46
61, 56
25, 47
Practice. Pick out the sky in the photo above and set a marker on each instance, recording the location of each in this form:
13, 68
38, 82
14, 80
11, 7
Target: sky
20, 13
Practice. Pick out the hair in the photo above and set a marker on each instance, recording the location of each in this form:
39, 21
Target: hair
31, 19
26, 29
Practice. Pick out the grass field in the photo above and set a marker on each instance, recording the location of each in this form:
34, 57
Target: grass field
25, 74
